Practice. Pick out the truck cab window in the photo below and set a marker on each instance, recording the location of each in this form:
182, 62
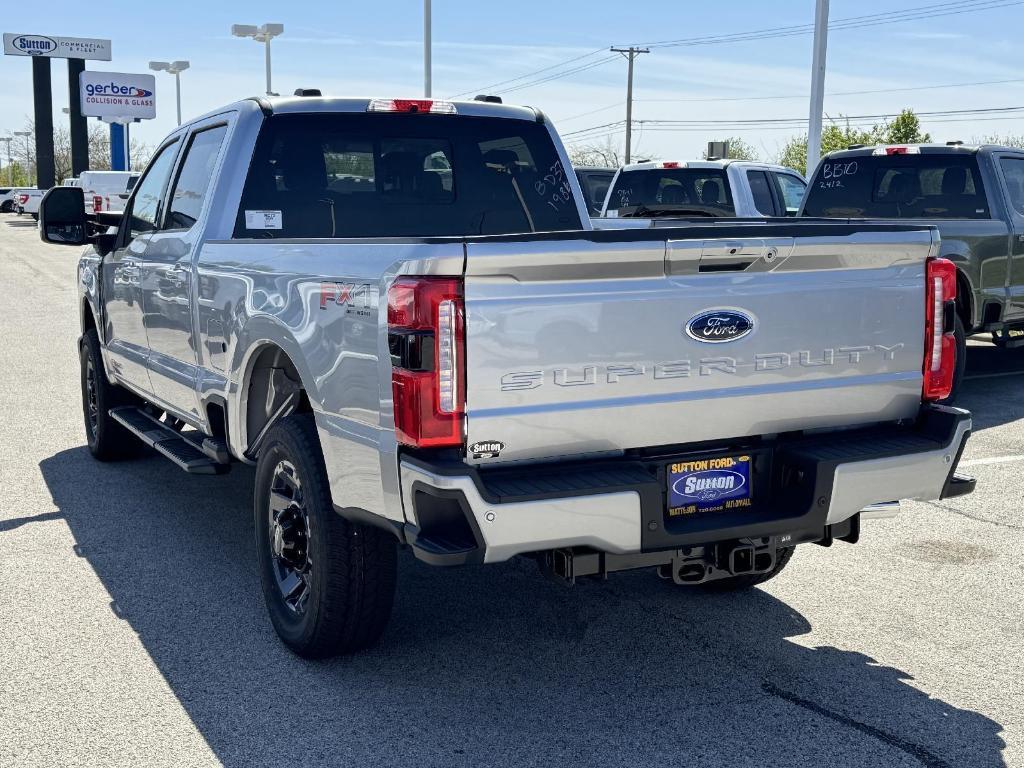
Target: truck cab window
762, 192
387, 175
1013, 174
792, 190
149, 192
194, 178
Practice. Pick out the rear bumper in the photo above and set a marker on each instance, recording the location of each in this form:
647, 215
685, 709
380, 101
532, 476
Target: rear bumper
457, 513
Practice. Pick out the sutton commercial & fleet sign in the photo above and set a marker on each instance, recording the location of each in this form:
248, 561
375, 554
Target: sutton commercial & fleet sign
51, 47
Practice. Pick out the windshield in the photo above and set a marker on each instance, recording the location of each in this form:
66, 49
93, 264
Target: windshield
925, 186
697, 189
403, 175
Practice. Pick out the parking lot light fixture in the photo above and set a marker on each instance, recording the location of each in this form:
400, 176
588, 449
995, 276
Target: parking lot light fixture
174, 68
262, 34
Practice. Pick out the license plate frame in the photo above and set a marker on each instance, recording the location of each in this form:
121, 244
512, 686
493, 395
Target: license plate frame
721, 483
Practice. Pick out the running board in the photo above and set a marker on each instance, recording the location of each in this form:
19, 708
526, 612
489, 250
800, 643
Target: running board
191, 456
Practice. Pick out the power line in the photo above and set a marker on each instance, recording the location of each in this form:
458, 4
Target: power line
582, 114
851, 22
830, 93
869, 20
486, 88
556, 76
790, 123
792, 120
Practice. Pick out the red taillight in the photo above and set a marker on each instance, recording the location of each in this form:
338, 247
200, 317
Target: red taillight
22, 199
427, 341
97, 203
939, 318
670, 165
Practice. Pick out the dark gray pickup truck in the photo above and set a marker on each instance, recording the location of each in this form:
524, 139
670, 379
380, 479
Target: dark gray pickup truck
973, 195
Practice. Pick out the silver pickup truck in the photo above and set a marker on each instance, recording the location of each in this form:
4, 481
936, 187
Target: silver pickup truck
398, 312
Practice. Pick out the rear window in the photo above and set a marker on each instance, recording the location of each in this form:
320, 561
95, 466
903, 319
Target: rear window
595, 187
929, 186
407, 175
691, 188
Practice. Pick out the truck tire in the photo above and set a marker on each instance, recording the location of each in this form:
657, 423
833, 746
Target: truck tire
107, 440
961, 360
734, 583
328, 583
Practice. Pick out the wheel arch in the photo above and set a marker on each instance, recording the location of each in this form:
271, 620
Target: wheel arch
273, 385
965, 299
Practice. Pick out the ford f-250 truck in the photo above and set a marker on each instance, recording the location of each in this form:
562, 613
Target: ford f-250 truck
397, 311
973, 195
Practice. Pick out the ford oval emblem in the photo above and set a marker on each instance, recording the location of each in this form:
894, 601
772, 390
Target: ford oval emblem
718, 326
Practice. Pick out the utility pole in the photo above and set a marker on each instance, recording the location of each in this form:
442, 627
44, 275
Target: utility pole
817, 85
427, 74
630, 53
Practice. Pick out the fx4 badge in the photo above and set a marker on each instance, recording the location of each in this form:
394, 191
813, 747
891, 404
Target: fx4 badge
718, 326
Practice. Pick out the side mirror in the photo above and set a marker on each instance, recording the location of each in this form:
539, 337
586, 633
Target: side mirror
62, 217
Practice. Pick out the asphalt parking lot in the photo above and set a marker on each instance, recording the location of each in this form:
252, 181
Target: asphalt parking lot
132, 629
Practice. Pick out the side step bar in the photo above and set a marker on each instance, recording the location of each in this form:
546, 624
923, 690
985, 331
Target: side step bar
200, 458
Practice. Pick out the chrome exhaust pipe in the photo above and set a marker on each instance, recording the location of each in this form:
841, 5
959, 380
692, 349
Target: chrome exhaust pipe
880, 511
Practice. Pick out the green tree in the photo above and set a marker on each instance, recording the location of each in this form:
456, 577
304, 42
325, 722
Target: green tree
738, 149
833, 136
904, 129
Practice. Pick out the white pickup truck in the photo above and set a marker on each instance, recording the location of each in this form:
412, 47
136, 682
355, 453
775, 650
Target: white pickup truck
27, 200
397, 310
704, 188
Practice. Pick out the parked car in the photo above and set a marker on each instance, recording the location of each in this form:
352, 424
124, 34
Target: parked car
973, 195
7, 199
106, 190
594, 182
707, 188
482, 375
28, 201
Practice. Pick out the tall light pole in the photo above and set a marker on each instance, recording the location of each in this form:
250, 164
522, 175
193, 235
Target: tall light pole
630, 53
10, 164
263, 34
172, 68
28, 152
426, 49
817, 85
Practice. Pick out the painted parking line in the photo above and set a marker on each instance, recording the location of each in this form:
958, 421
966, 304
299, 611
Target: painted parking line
991, 460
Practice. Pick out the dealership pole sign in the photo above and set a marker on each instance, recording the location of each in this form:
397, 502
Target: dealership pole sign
50, 47
118, 95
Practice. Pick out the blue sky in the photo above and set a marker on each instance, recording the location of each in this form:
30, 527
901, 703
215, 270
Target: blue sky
348, 48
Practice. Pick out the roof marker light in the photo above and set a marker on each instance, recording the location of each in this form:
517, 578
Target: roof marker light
412, 106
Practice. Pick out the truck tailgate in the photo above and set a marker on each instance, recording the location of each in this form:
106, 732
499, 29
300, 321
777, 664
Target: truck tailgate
583, 346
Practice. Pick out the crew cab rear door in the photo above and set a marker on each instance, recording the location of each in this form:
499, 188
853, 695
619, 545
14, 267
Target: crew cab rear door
1011, 168
169, 290
586, 344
